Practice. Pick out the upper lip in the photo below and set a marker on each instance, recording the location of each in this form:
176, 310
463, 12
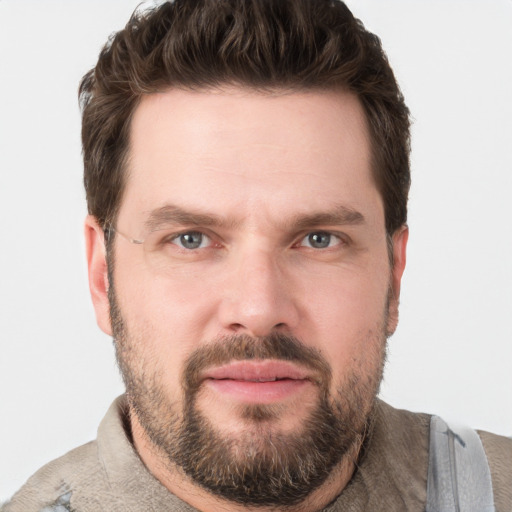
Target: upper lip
257, 371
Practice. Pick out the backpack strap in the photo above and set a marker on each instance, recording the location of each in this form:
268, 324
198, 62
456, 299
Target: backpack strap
459, 479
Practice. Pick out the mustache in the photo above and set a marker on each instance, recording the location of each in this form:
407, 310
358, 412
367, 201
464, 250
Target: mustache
244, 347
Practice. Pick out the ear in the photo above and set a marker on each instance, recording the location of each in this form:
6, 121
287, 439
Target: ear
97, 270
399, 240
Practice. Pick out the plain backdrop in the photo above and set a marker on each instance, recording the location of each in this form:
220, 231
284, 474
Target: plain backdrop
452, 353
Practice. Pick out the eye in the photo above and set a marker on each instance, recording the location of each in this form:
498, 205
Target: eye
320, 240
191, 240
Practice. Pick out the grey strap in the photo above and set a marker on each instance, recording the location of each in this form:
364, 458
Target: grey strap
459, 479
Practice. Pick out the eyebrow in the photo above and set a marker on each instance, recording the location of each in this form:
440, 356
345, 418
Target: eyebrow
170, 214
339, 216
173, 215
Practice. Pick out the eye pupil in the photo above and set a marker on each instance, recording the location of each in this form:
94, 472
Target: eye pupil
191, 240
319, 240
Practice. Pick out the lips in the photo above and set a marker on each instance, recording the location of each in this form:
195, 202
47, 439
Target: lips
257, 371
257, 381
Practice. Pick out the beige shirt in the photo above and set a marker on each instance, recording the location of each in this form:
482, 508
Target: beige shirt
107, 474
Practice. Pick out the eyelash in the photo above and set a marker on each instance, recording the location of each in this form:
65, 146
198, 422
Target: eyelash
342, 240
331, 235
177, 236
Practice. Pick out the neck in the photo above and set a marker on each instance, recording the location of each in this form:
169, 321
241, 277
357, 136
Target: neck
178, 483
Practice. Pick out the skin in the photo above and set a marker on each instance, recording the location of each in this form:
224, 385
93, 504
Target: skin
268, 166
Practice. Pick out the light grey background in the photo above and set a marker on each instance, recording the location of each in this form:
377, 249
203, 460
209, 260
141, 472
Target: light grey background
452, 354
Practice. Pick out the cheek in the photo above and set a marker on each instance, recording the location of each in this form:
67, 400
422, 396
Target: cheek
166, 315
347, 316
349, 302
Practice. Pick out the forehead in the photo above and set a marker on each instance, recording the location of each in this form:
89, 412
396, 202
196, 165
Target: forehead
237, 150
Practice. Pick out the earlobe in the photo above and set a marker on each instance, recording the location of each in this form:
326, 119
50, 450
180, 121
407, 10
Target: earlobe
400, 238
98, 272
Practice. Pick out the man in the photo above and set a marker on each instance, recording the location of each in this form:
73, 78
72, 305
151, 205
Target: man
246, 170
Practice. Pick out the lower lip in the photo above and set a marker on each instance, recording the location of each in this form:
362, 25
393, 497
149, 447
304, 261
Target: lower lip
258, 392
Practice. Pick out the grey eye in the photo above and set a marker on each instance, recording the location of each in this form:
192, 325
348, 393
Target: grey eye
319, 240
191, 240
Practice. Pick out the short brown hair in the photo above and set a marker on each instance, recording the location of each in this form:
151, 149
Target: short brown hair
263, 44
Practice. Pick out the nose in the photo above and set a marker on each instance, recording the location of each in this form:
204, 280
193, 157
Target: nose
258, 298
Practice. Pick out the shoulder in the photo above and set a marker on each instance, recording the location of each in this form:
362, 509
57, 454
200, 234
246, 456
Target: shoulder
401, 429
499, 455
50, 488
392, 468
408, 436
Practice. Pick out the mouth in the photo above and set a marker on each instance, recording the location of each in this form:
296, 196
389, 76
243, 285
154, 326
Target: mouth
258, 381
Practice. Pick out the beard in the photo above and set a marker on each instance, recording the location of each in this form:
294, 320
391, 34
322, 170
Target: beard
260, 465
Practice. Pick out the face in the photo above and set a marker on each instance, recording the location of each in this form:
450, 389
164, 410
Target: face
251, 324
